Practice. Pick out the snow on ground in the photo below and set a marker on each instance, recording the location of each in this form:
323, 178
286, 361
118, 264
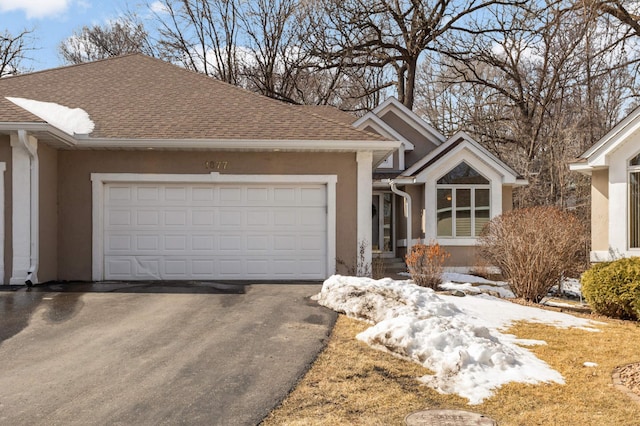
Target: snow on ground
458, 338
68, 120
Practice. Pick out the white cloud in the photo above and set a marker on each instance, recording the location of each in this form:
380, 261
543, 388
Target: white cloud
35, 8
159, 7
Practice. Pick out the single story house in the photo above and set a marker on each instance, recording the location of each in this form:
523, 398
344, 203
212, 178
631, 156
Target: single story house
131, 168
614, 166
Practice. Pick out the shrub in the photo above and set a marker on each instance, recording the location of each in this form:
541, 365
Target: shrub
426, 263
534, 248
359, 267
613, 288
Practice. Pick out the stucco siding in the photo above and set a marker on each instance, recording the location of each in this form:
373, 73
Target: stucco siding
48, 216
507, 199
600, 210
75, 196
461, 256
421, 144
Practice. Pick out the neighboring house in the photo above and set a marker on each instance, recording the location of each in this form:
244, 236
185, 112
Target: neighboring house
614, 166
134, 169
433, 188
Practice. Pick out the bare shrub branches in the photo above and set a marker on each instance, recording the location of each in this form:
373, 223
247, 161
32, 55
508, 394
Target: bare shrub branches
426, 264
534, 248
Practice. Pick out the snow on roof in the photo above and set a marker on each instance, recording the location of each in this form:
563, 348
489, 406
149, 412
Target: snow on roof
458, 338
69, 120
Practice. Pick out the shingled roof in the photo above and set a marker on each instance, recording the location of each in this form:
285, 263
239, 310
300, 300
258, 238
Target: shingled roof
138, 97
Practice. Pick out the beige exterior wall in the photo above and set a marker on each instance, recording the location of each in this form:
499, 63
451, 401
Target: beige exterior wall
507, 199
5, 156
461, 256
48, 217
74, 190
421, 144
600, 210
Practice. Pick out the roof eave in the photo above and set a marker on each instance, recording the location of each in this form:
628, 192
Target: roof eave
65, 138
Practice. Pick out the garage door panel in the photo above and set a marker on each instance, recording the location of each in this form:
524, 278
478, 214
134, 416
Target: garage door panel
314, 217
202, 217
203, 243
230, 195
147, 218
207, 231
148, 194
119, 193
230, 217
178, 193
313, 197
119, 242
119, 218
260, 243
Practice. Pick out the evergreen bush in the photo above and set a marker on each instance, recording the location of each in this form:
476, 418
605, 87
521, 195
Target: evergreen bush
613, 288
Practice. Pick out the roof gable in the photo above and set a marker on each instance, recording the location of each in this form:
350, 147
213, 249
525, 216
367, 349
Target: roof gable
597, 156
461, 141
410, 118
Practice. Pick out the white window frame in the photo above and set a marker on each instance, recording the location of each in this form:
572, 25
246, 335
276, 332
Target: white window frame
630, 170
472, 208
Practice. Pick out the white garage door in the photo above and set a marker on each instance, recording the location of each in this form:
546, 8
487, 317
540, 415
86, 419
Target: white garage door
215, 231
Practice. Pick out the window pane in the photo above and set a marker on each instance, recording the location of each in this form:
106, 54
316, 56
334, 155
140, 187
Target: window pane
635, 161
634, 210
463, 198
463, 223
482, 198
482, 218
444, 213
463, 174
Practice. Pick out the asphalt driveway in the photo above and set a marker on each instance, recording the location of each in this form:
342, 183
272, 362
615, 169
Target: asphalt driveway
154, 354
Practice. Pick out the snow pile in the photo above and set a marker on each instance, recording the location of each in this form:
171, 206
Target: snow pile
68, 120
466, 351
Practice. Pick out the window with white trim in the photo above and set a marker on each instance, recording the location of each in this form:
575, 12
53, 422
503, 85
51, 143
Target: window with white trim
463, 202
634, 202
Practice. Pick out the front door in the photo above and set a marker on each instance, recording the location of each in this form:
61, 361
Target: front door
383, 224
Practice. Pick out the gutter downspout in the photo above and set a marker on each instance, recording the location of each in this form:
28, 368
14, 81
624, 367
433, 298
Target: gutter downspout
407, 211
32, 273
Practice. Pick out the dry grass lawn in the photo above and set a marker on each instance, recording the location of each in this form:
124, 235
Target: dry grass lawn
351, 383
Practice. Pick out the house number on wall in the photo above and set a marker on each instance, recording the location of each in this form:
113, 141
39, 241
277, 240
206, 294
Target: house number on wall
216, 165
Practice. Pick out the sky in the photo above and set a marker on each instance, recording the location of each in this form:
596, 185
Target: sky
460, 339
52, 22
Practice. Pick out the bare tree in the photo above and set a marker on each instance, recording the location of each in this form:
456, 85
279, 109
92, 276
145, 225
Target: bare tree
390, 34
13, 50
618, 9
537, 93
272, 60
200, 34
104, 41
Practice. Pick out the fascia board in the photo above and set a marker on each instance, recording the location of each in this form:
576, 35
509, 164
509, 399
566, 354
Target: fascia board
64, 137
507, 177
486, 152
614, 136
377, 123
410, 118
600, 156
236, 144
581, 167
424, 160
